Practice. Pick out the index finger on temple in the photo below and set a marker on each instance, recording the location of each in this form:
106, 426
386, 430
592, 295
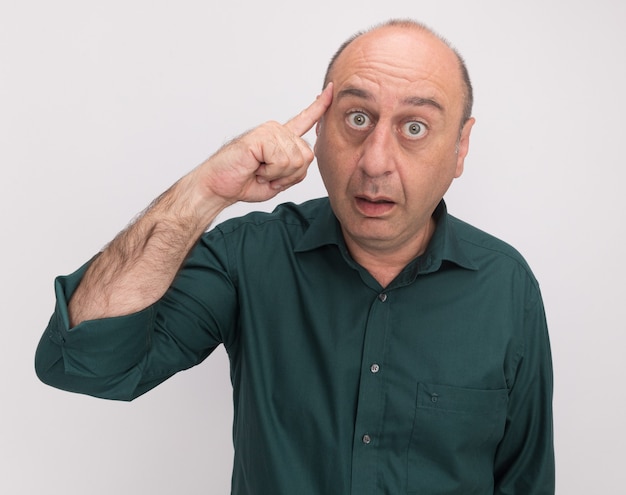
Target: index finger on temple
308, 117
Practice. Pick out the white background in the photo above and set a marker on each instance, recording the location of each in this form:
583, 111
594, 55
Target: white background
104, 104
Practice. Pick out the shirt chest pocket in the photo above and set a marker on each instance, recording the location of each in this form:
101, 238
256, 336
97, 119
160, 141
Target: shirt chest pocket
454, 438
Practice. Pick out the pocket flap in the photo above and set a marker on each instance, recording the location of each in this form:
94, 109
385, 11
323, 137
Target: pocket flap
460, 400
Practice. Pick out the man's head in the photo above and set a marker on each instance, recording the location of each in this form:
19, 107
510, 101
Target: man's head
395, 135
410, 24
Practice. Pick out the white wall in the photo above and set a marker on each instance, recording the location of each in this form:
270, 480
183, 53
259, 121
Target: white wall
104, 104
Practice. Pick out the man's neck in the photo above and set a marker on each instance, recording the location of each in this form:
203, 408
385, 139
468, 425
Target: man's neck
385, 264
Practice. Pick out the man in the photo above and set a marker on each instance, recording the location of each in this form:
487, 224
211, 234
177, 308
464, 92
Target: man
408, 351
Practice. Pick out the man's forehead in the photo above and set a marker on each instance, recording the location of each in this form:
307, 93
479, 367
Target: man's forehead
412, 63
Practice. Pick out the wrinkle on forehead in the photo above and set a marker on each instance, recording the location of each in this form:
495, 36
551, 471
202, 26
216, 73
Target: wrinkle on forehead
379, 88
416, 101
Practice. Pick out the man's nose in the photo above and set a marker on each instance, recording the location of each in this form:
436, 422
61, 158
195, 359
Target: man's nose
378, 152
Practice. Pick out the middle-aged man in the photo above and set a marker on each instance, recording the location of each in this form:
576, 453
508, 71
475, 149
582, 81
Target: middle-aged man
377, 344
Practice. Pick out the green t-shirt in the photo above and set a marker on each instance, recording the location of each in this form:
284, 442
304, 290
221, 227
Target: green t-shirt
440, 383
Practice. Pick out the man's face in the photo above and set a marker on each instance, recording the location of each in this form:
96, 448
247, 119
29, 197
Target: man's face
391, 143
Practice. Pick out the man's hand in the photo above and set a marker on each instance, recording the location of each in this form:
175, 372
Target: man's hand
262, 162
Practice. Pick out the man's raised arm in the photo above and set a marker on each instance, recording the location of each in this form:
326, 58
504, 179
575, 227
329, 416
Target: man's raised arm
139, 265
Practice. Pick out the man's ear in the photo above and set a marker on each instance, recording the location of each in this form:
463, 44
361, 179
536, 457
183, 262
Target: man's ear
318, 128
462, 147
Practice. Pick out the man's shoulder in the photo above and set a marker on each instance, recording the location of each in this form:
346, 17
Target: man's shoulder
482, 246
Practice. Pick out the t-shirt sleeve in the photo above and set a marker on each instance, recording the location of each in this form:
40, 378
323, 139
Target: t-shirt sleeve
125, 356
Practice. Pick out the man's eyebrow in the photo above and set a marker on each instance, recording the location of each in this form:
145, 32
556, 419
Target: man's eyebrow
411, 100
359, 93
421, 102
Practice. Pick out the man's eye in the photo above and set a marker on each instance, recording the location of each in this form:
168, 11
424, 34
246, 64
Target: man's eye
358, 120
414, 129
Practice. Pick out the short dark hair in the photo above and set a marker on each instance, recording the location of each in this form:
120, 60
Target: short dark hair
409, 23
